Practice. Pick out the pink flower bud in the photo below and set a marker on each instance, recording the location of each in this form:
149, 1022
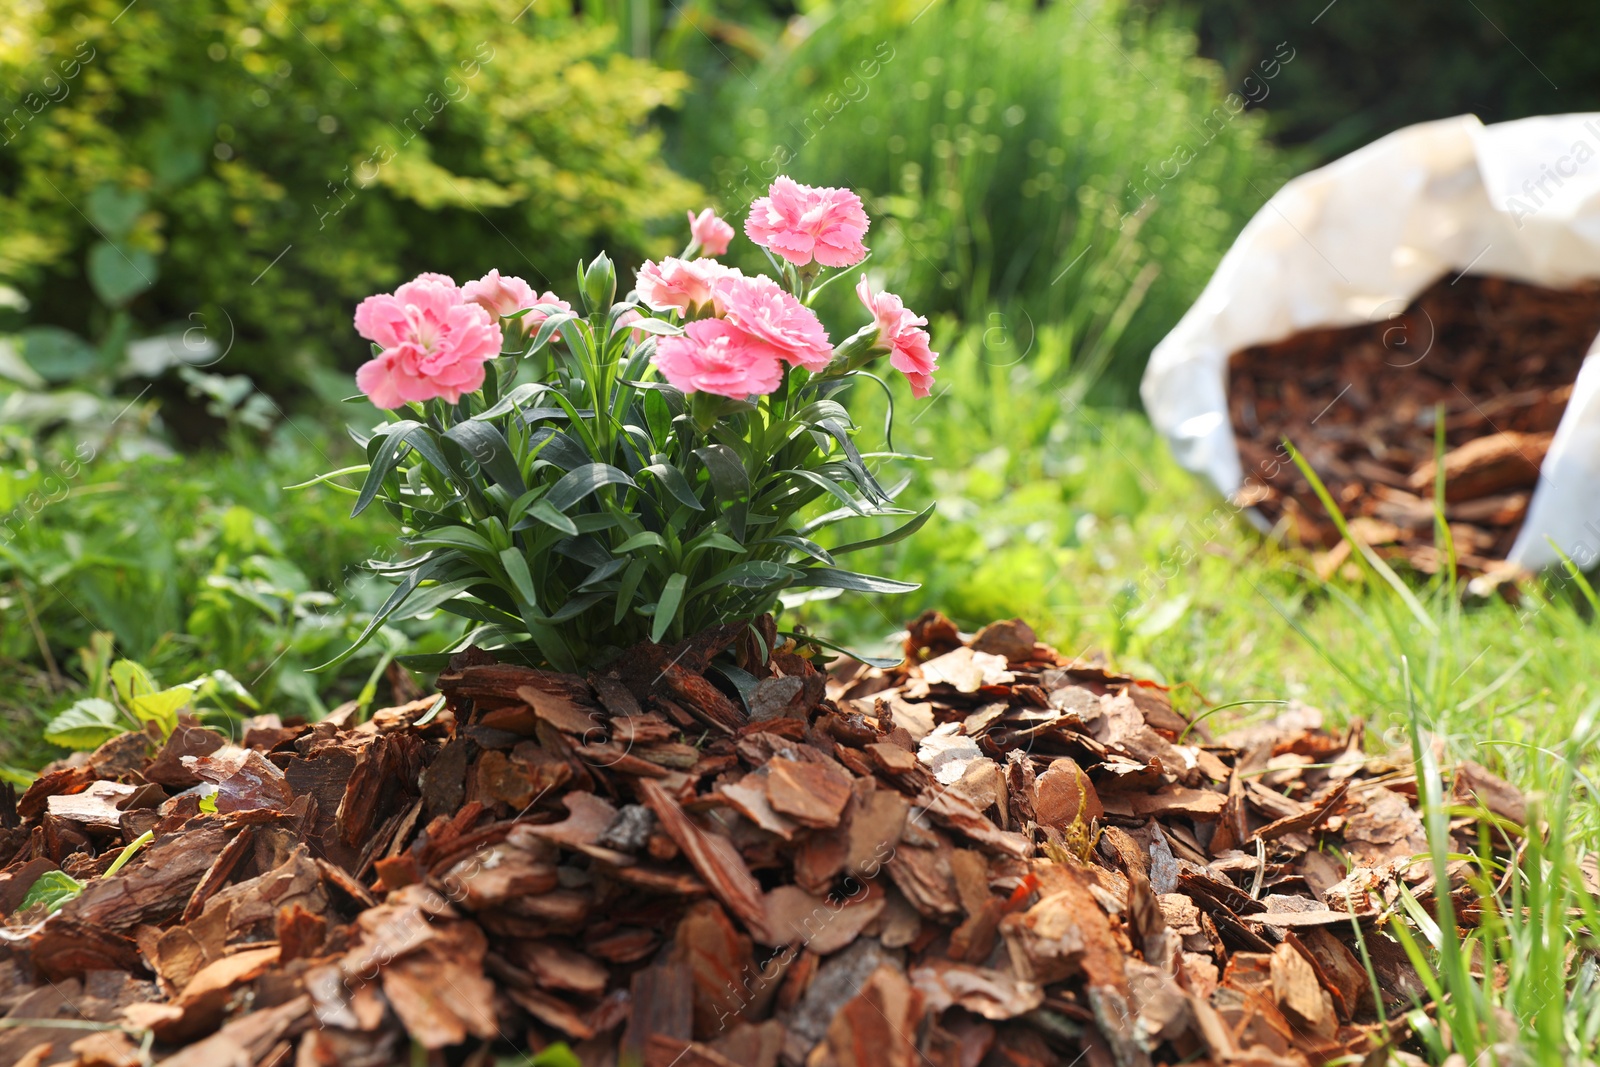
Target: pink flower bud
900, 332
709, 232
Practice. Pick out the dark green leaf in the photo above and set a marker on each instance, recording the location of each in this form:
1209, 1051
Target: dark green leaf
829, 578
751, 574
489, 448
558, 449
672, 479
626, 591
667, 606
582, 481
512, 401
799, 544
386, 450
900, 533
540, 511
728, 478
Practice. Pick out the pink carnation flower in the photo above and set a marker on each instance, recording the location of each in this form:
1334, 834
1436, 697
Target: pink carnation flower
433, 343
775, 320
709, 232
714, 356
680, 284
802, 223
900, 331
504, 295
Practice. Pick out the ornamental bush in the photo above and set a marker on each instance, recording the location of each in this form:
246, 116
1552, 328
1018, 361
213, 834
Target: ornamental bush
573, 481
252, 165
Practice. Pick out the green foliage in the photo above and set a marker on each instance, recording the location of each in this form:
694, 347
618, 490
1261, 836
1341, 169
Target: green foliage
593, 506
54, 888
51, 889
251, 169
1497, 59
1057, 161
189, 566
140, 704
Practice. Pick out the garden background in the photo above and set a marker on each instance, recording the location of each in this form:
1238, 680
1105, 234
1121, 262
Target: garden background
195, 194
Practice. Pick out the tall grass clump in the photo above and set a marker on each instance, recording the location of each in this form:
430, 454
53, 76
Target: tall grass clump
1508, 684
1013, 147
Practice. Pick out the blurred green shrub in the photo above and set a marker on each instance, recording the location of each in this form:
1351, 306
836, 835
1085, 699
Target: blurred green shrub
1497, 59
191, 565
254, 168
1015, 147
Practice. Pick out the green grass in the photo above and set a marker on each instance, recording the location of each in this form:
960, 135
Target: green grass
191, 564
1010, 153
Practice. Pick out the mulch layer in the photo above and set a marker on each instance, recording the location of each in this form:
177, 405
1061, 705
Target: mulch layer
1499, 356
988, 855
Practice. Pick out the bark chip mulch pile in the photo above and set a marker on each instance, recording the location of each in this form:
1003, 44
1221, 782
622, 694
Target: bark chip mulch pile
989, 855
1358, 402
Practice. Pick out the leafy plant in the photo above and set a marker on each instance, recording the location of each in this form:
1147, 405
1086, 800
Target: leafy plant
54, 888
239, 168
127, 697
601, 501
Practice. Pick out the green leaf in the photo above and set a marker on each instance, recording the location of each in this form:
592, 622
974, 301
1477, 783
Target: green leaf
829, 578
120, 274
88, 724
556, 1055
548, 327
657, 327
658, 413
162, 708
557, 449
627, 590
462, 537
898, 534
728, 478
52, 889
489, 449
542, 511
57, 354
640, 540
516, 566
799, 544
114, 209
131, 680
667, 606
751, 574
718, 540
512, 401
386, 450
414, 572
579, 483
833, 488
672, 479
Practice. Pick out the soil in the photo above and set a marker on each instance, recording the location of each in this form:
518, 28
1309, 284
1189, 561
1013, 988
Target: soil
989, 854
1499, 357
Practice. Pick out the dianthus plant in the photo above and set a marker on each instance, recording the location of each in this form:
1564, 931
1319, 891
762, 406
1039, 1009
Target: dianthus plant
574, 482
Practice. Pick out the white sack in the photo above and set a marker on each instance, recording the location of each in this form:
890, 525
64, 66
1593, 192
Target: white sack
1357, 240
